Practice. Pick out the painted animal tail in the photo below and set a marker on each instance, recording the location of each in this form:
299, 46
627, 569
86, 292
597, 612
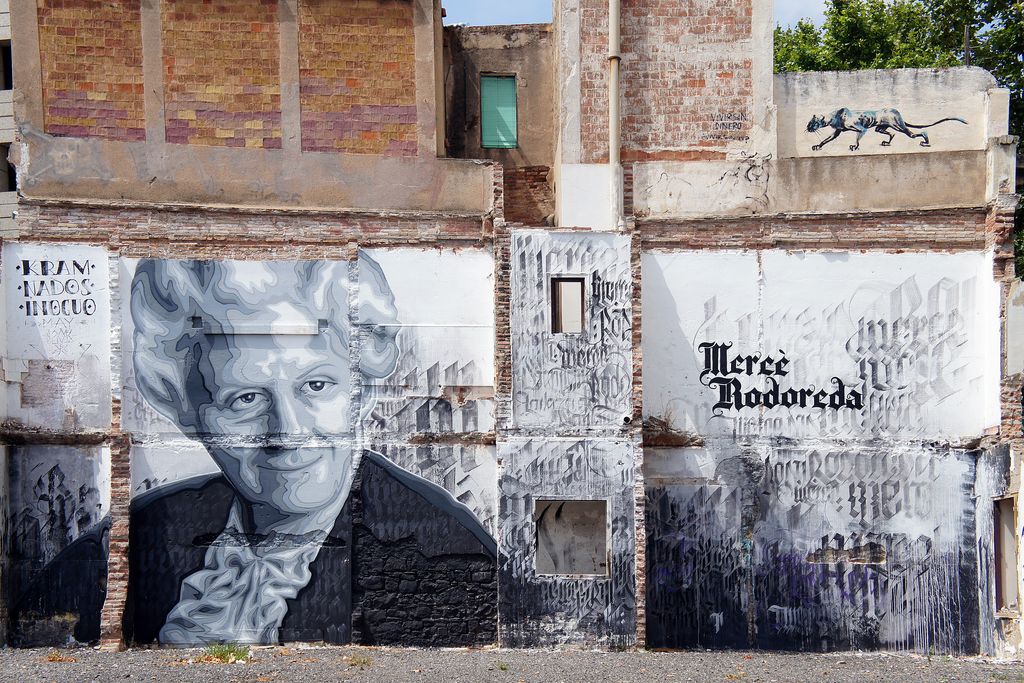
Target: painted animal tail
948, 118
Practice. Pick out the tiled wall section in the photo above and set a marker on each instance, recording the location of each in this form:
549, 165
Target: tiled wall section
222, 72
357, 76
91, 59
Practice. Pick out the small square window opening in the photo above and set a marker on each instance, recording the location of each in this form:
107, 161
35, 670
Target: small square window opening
567, 299
571, 537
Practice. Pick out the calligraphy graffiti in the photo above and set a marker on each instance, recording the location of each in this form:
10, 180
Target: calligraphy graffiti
723, 372
571, 380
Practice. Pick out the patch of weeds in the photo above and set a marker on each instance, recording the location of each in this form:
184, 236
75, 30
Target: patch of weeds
502, 666
227, 653
56, 656
362, 661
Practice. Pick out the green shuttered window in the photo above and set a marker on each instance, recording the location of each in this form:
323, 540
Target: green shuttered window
498, 111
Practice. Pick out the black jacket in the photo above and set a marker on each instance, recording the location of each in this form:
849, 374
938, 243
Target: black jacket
404, 564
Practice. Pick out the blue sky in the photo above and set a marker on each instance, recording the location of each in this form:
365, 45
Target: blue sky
482, 12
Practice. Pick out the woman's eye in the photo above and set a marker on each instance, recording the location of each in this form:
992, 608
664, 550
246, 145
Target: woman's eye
317, 386
246, 400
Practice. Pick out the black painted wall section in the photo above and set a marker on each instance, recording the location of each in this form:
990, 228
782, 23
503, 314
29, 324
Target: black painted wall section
420, 578
52, 602
403, 564
730, 564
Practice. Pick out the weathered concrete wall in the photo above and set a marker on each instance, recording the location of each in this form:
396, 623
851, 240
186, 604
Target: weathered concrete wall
523, 50
57, 358
816, 169
147, 121
410, 557
808, 447
920, 96
568, 439
527, 52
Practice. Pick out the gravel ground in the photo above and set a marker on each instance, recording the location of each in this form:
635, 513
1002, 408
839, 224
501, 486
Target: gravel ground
313, 664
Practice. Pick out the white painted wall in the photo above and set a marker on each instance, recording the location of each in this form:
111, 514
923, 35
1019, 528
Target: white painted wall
922, 96
57, 357
1014, 334
921, 328
583, 196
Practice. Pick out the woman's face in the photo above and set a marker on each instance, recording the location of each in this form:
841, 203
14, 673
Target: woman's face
279, 425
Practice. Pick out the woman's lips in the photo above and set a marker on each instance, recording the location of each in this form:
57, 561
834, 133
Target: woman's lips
291, 460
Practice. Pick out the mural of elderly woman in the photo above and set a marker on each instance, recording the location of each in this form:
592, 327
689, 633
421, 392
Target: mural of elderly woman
254, 360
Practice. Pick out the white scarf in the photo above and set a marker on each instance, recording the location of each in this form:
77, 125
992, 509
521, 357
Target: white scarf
240, 593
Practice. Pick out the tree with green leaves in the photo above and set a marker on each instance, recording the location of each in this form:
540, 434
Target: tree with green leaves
891, 34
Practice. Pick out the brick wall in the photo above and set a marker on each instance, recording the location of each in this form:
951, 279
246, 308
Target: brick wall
945, 229
357, 76
91, 57
594, 81
222, 72
687, 86
528, 196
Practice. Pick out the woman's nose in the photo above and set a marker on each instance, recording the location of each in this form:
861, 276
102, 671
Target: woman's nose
289, 420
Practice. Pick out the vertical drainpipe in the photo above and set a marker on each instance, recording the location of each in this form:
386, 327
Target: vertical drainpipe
614, 130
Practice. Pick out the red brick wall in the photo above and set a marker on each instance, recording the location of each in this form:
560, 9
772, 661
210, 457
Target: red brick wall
687, 79
939, 230
91, 57
222, 72
594, 81
528, 196
357, 76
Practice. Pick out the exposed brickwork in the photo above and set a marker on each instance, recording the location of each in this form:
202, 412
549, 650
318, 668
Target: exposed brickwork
680, 102
357, 76
1012, 424
999, 233
529, 196
259, 235
636, 427
222, 72
698, 96
112, 616
594, 81
91, 57
947, 229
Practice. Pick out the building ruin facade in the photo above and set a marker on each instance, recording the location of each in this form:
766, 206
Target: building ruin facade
327, 322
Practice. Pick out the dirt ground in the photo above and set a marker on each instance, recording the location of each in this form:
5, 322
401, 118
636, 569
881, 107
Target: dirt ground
314, 664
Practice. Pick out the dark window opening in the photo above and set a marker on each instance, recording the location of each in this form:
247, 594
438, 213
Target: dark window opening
567, 299
9, 183
5, 56
571, 537
1005, 542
